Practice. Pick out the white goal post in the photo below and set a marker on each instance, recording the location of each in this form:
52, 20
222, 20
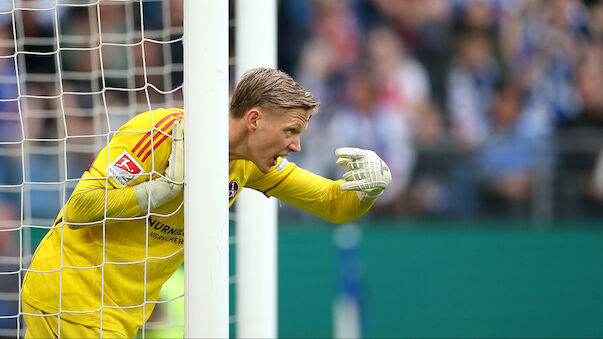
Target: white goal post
256, 216
206, 256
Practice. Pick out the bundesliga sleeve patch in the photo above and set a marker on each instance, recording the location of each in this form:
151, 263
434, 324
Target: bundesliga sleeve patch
124, 169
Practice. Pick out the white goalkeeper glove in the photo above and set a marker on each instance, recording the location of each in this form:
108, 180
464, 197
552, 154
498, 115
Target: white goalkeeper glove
367, 173
164, 189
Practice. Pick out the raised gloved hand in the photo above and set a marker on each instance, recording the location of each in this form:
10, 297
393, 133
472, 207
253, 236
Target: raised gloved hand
164, 189
367, 173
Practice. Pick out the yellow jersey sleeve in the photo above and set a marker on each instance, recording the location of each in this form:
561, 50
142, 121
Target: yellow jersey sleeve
138, 150
310, 192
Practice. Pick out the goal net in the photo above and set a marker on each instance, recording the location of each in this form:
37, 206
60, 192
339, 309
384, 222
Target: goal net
71, 73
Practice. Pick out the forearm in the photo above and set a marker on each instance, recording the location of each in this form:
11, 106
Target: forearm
322, 197
93, 204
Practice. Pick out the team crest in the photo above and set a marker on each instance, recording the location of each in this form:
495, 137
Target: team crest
124, 169
233, 189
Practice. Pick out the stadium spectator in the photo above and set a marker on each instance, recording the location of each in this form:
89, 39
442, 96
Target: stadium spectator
589, 84
470, 86
403, 85
10, 126
433, 44
515, 152
339, 29
295, 20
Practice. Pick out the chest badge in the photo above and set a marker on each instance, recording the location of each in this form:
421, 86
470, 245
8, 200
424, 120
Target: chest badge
233, 189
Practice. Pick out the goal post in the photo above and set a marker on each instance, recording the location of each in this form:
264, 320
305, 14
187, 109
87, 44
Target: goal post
206, 255
256, 216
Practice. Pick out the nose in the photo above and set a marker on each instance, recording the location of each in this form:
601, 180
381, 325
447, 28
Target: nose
295, 145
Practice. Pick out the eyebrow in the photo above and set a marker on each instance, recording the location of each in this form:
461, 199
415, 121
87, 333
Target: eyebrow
297, 126
300, 123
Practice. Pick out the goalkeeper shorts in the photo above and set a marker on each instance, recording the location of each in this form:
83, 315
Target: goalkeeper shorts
41, 325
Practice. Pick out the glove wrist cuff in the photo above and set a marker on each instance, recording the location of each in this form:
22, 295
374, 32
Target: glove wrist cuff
368, 196
161, 192
142, 195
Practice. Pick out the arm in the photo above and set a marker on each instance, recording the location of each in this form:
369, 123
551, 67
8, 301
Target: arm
321, 197
335, 201
87, 203
128, 196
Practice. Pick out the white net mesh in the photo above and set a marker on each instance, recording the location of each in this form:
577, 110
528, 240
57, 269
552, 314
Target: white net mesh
71, 73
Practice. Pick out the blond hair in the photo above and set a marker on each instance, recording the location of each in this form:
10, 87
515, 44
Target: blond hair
270, 89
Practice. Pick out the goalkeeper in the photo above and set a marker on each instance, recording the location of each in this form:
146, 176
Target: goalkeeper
120, 235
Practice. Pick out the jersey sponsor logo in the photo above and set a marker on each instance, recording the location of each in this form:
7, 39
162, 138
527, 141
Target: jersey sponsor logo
233, 189
164, 232
124, 169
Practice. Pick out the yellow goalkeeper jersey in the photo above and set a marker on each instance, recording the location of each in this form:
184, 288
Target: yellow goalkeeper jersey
104, 256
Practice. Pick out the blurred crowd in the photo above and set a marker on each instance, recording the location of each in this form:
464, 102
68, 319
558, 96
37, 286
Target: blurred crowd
480, 107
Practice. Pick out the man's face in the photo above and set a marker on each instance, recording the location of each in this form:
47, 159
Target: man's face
276, 135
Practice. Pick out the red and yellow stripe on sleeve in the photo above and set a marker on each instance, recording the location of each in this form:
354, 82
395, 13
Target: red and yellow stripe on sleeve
143, 149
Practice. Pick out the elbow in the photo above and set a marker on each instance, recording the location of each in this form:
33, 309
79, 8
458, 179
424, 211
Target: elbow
342, 218
73, 214
69, 217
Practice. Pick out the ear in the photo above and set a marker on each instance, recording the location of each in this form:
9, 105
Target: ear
252, 118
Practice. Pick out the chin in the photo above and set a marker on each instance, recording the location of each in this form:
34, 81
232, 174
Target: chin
264, 169
264, 166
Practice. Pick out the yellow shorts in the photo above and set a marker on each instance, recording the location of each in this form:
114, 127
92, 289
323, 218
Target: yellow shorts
41, 325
